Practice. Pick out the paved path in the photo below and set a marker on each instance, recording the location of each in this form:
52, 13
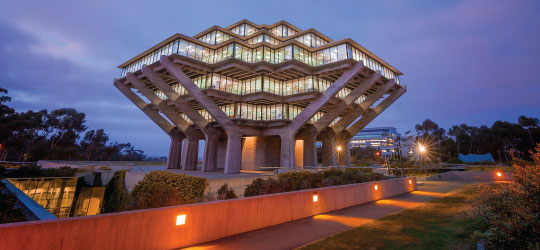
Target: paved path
301, 232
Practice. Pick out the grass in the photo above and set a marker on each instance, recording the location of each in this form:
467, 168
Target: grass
444, 223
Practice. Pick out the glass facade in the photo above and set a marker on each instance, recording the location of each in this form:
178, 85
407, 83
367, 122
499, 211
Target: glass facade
257, 112
258, 84
215, 37
311, 40
262, 53
283, 31
244, 29
263, 38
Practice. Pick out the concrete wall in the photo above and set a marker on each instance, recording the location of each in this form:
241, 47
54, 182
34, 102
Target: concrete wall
260, 151
157, 229
471, 176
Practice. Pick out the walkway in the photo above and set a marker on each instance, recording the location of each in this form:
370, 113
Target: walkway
301, 232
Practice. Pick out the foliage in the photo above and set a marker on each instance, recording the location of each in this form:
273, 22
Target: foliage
500, 140
8, 212
116, 194
359, 154
37, 171
299, 180
225, 192
171, 188
55, 135
156, 195
511, 213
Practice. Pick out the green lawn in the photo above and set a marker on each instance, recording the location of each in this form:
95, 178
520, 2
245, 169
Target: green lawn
444, 223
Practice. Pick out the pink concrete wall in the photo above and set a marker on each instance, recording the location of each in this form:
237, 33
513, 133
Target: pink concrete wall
157, 229
471, 176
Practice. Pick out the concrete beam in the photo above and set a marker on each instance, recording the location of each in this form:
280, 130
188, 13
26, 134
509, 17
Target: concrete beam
198, 95
158, 102
317, 104
371, 114
331, 115
358, 109
178, 101
147, 108
234, 135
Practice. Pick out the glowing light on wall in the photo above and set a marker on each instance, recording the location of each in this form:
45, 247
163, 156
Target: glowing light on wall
410, 181
376, 187
315, 197
180, 219
499, 174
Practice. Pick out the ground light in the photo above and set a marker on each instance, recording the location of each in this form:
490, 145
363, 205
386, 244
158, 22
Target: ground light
315, 197
410, 181
376, 187
180, 219
499, 174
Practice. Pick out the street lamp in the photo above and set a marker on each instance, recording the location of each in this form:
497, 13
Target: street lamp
421, 148
339, 148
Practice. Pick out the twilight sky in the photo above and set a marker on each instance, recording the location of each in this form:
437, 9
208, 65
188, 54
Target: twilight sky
471, 62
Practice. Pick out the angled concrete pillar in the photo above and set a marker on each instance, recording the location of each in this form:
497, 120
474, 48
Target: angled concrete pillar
357, 109
175, 152
147, 108
318, 103
287, 150
341, 106
233, 161
210, 150
371, 114
233, 157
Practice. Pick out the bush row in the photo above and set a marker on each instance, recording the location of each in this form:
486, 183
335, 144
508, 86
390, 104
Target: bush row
293, 181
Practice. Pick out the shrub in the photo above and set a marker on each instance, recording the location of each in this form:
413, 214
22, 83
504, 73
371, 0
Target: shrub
153, 196
37, 171
292, 181
116, 195
454, 160
188, 189
511, 212
225, 192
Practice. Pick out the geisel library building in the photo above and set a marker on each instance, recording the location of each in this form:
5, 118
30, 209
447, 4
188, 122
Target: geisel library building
259, 95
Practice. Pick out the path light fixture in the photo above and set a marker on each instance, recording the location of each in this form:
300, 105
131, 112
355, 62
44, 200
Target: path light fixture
376, 187
410, 181
315, 197
180, 219
499, 174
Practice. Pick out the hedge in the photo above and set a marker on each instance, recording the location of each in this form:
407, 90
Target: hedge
299, 180
190, 188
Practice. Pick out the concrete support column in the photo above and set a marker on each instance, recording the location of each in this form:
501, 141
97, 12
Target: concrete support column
329, 150
190, 152
233, 158
344, 156
210, 150
287, 150
310, 149
175, 152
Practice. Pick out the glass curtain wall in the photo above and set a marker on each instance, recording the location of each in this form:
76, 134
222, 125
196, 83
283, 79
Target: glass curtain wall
215, 37
279, 55
283, 31
244, 29
311, 40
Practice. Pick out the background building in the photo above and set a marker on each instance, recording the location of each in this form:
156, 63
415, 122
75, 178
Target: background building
258, 95
386, 139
